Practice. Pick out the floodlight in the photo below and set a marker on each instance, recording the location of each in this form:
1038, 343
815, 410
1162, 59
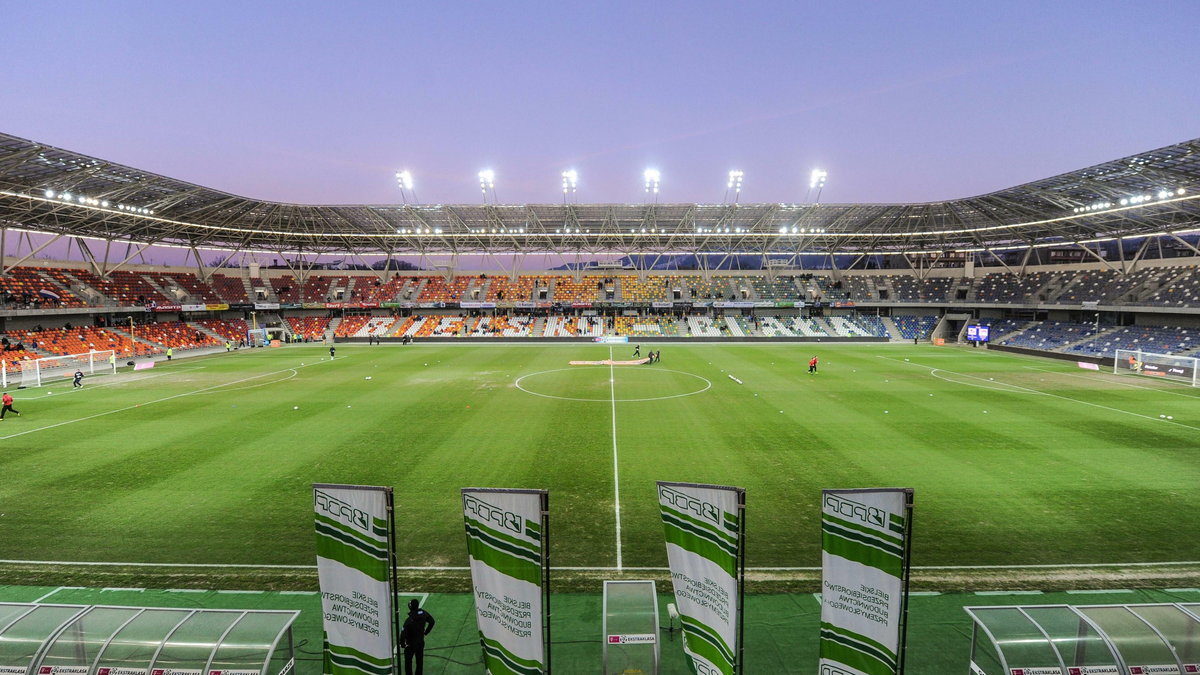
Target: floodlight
652, 177
404, 179
50, 194
818, 178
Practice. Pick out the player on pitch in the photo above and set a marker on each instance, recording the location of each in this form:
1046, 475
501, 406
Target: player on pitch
7, 400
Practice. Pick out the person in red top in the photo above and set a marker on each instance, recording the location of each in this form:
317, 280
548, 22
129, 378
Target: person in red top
812, 365
8, 401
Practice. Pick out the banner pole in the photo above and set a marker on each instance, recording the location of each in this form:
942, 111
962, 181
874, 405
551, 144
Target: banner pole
741, 625
546, 574
908, 509
391, 511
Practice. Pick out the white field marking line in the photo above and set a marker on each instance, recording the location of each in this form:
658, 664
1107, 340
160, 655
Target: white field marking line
517, 384
254, 386
128, 380
612, 388
418, 568
1014, 389
60, 588
157, 400
1058, 396
421, 597
1116, 379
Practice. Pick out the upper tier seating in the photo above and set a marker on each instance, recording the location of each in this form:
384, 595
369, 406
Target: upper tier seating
124, 288
229, 289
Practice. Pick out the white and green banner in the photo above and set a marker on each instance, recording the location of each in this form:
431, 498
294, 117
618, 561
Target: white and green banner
354, 566
864, 580
510, 573
705, 550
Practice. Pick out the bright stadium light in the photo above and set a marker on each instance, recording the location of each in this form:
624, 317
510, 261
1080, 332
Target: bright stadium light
817, 181
735, 184
487, 183
652, 178
404, 181
570, 183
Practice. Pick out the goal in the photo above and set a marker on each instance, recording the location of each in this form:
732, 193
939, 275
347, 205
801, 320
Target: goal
37, 372
1178, 368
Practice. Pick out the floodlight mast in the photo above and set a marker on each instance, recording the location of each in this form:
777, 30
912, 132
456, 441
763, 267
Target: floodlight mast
652, 178
817, 180
404, 180
734, 184
487, 183
570, 183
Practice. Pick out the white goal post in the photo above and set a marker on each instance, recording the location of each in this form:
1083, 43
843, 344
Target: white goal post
1183, 369
37, 372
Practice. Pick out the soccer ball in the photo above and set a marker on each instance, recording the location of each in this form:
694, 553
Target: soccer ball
1169, 417
295, 407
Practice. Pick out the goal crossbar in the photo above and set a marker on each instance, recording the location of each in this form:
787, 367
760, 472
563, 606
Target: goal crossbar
1185, 369
37, 372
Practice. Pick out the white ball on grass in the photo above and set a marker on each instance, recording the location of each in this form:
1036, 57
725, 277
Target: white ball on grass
1162, 417
295, 407
1169, 417
368, 377
885, 412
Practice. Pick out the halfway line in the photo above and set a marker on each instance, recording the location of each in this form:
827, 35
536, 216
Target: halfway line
612, 388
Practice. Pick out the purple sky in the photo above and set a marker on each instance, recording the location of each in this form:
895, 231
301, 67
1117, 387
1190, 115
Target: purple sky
320, 102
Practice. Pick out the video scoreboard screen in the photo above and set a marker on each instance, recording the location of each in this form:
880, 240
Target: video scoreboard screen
978, 333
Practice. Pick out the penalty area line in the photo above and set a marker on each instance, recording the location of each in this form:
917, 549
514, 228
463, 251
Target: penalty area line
1031, 390
158, 400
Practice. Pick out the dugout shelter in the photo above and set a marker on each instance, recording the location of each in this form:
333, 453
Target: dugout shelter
1085, 639
45, 639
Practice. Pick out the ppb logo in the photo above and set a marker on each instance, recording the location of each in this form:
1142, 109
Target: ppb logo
489, 513
686, 502
341, 511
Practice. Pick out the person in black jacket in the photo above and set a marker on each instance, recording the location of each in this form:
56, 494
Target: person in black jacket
412, 636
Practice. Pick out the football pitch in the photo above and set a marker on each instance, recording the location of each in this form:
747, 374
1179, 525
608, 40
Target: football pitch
1015, 461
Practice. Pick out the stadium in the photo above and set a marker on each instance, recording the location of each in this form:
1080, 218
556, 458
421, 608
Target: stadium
704, 338
1043, 462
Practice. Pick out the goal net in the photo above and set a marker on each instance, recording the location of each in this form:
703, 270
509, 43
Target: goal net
37, 372
1178, 368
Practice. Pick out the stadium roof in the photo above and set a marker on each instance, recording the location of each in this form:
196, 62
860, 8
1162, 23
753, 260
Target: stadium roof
48, 189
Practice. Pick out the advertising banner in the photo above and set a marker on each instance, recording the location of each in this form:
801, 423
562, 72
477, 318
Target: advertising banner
864, 579
266, 305
510, 575
662, 305
167, 308
355, 565
469, 304
706, 553
193, 308
216, 307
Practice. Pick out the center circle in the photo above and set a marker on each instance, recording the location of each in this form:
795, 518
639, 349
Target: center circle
629, 384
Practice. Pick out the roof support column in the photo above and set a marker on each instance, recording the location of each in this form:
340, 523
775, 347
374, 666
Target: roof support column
32, 253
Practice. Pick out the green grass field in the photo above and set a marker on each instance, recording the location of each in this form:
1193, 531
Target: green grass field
1015, 460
